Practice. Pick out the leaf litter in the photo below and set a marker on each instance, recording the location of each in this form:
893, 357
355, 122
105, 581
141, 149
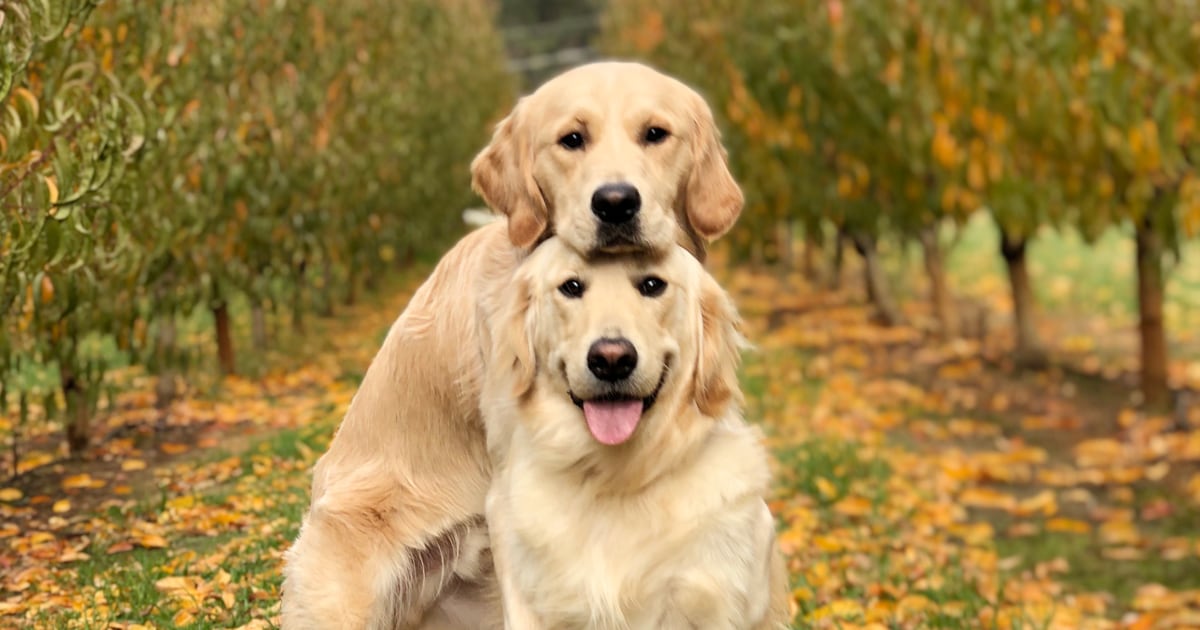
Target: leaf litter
919, 484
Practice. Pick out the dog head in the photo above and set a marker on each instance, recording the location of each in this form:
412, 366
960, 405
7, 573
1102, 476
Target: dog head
610, 157
616, 353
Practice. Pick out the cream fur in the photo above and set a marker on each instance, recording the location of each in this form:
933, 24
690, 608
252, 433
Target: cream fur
668, 530
395, 537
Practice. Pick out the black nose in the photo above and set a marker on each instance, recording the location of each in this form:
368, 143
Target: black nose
616, 203
612, 359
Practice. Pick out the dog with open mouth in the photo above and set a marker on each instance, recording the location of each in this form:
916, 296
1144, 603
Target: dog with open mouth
628, 490
610, 158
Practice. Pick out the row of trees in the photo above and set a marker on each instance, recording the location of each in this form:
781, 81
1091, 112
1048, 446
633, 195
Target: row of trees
893, 117
162, 157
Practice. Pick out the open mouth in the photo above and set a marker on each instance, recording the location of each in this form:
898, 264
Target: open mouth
613, 417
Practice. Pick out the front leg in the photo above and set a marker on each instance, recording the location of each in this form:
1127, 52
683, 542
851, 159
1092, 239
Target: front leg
736, 580
697, 602
518, 615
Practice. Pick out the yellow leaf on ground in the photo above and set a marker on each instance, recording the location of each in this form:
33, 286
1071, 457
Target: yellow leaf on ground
152, 541
987, 498
61, 506
133, 464
10, 494
1067, 525
1119, 533
853, 506
84, 480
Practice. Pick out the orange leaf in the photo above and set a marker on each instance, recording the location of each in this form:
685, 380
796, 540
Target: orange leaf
152, 541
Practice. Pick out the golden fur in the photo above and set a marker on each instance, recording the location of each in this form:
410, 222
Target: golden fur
395, 537
666, 530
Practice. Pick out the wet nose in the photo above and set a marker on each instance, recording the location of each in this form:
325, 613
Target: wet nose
612, 360
616, 203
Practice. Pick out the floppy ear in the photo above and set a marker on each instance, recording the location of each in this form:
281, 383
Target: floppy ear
719, 351
512, 345
713, 199
503, 175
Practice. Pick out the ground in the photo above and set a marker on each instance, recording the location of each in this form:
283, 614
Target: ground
920, 483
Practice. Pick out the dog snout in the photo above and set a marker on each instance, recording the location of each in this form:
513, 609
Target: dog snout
612, 360
616, 203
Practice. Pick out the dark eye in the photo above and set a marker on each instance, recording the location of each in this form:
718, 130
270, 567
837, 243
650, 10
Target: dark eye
572, 288
652, 286
655, 135
572, 141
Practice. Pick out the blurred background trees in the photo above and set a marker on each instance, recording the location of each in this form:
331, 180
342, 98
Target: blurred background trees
160, 162
894, 119
162, 159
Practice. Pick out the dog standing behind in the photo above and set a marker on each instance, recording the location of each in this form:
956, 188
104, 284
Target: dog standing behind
611, 157
628, 490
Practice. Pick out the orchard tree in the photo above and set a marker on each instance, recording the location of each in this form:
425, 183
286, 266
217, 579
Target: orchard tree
1130, 78
160, 157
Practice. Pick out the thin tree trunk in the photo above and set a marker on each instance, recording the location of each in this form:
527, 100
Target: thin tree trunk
1029, 352
1156, 391
224, 338
298, 297
939, 289
839, 260
258, 326
811, 248
783, 244
164, 388
298, 310
885, 309
328, 282
78, 415
351, 284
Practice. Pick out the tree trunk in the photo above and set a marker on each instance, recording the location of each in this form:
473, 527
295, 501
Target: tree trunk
78, 416
328, 282
351, 285
783, 245
885, 309
164, 388
1029, 352
298, 297
839, 260
258, 326
1156, 391
810, 258
224, 338
939, 290
298, 310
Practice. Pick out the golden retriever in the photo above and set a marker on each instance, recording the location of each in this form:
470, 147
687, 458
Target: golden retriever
611, 157
628, 492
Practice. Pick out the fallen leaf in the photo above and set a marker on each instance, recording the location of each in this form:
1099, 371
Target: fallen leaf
120, 547
151, 541
84, 480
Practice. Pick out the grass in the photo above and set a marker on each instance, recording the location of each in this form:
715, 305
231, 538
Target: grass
1073, 278
272, 481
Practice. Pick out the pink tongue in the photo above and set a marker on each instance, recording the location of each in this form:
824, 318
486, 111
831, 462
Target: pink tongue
612, 423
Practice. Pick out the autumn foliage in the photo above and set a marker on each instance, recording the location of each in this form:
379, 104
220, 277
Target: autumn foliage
890, 120
159, 159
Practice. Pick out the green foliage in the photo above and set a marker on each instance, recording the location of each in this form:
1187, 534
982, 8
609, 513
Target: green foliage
159, 157
895, 114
